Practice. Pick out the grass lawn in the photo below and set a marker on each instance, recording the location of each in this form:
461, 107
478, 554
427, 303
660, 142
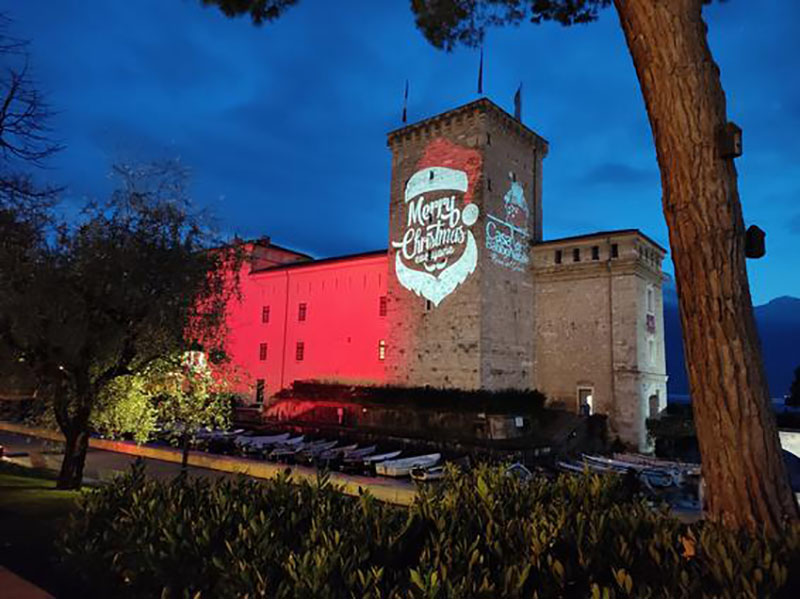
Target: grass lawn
31, 514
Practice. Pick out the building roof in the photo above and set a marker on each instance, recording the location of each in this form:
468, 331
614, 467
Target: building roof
268, 243
313, 262
482, 104
614, 233
375, 253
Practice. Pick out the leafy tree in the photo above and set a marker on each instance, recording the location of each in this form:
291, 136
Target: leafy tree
746, 478
794, 390
87, 302
260, 11
179, 394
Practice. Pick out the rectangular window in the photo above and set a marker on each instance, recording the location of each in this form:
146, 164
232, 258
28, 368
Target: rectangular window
302, 310
300, 351
576, 255
559, 255
265, 314
614, 250
382, 305
428, 305
382, 349
651, 301
262, 352
595, 252
651, 351
259, 390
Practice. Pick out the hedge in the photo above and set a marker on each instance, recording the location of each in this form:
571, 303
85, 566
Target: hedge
478, 534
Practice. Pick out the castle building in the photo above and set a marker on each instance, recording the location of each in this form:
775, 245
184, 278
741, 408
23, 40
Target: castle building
467, 294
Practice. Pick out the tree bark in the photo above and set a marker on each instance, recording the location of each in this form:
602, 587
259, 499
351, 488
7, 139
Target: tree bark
77, 442
746, 478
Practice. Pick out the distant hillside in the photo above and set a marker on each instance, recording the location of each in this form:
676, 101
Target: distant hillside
778, 325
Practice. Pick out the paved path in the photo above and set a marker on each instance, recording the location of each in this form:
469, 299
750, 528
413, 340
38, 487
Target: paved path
14, 587
102, 465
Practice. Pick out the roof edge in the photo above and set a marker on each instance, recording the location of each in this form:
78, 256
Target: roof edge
321, 261
617, 232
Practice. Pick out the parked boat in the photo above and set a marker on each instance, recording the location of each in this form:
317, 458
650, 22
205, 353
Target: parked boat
429, 474
680, 470
217, 434
380, 457
517, 470
656, 477
360, 452
402, 467
308, 454
336, 452
260, 441
288, 448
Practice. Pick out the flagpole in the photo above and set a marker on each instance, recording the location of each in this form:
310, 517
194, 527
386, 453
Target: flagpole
405, 104
480, 75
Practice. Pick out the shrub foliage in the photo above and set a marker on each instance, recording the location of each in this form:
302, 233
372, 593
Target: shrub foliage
480, 534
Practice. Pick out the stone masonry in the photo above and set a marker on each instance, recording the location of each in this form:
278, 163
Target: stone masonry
580, 319
599, 326
476, 337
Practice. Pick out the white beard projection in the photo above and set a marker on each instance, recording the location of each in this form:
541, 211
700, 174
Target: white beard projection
437, 226
507, 238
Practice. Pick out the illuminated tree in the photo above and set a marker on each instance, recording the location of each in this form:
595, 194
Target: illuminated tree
745, 475
178, 395
103, 297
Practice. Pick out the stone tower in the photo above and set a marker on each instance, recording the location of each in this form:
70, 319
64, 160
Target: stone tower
465, 206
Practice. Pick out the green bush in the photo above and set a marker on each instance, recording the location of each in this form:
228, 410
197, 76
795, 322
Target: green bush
480, 534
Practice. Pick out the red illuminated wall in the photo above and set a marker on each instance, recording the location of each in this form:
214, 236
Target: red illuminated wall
341, 331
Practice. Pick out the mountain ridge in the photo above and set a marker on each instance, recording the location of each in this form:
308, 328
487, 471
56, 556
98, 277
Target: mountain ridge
778, 323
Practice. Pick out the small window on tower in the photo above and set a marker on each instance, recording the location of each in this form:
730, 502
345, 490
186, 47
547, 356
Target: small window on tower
614, 250
488, 184
382, 349
428, 305
576, 255
559, 256
262, 352
382, 305
651, 300
488, 139
595, 252
301, 312
300, 351
265, 314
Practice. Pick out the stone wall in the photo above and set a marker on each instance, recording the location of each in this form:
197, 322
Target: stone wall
474, 336
591, 327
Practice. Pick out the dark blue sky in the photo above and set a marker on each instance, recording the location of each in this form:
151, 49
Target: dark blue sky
284, 126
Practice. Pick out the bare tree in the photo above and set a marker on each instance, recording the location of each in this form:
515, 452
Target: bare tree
25, 136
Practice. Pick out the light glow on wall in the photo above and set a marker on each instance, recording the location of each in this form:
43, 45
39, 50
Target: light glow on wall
507, 237
437, 251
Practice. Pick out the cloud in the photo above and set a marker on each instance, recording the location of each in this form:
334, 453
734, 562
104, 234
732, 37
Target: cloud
614, 173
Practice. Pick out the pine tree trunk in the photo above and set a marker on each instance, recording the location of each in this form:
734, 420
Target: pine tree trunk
746, 479
77, 443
